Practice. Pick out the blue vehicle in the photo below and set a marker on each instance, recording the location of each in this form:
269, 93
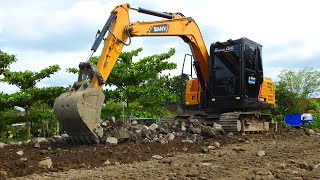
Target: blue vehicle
298, 120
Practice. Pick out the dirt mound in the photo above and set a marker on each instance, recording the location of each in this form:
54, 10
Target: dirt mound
21, 160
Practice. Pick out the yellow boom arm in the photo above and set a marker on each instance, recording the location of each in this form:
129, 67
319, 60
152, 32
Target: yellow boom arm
121, 29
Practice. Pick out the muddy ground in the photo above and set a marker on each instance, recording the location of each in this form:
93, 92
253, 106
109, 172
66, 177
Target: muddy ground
288, 154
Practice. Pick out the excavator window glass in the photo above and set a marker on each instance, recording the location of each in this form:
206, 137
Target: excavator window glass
226, 67
250, 57
259, 59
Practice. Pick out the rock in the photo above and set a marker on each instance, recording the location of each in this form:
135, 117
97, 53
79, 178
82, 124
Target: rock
157, 157
205, 149
216, 144
194, 137
207, 132
2, 145
205, 164
282, 165
11, 143
144, 127
116, 163
183, 126
194, 130
294, 172
138, 131
104, 124
169, 137
217, 126
112, 119
122, 134
304, 165
187, 140
3, 174
310, 132
112, 140
153, 127
19, 143
184, 149
20, 152
261, 153
162, 140
211, 147
40, 140
291, 161
316, 166
45, 164
65, 136
23, 159
36, 145
134, 123
106, 163
230, 134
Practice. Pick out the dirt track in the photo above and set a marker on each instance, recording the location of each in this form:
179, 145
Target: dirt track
289, 154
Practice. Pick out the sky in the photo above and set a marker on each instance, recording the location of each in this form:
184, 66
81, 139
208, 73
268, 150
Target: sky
42, 33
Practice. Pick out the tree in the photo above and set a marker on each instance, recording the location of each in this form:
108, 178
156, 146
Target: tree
138, 84
26, 82
6, 60
295, 89
28, 79
176, 85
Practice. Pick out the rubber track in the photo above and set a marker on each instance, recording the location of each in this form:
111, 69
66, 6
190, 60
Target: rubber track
229, 121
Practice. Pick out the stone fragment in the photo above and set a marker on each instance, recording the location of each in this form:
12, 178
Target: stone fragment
134, 123
112, 140
107, 163
3, 174
23, 159
187, 140
207, 132
194, 130
261, 153
310, 132
2, 145
169, 137
216, 144
36, 145
157, 157
153, 127
20, 152
45, 164
205, 164
122, 134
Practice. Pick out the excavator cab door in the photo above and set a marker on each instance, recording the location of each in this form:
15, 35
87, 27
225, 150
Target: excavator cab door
253, 74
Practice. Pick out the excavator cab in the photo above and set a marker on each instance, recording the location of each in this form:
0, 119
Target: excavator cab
236, 76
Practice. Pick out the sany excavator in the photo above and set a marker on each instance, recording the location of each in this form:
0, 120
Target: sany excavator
229, 86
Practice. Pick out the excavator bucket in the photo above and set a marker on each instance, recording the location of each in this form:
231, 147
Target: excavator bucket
79, 111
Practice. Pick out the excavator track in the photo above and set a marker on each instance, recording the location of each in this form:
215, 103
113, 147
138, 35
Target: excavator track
246, 122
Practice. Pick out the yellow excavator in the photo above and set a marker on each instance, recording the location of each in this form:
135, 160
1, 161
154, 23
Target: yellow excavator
229, 87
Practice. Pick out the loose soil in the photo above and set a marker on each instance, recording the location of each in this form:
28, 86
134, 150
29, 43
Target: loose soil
289, 154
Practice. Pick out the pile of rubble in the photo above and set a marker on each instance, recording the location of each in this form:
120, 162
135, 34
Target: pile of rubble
118, 131
185, 130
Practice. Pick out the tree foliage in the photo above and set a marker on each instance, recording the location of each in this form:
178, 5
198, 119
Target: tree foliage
6, 60
28, 79
295, 89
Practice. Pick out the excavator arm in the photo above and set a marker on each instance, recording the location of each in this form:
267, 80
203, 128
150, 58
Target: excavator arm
79, 110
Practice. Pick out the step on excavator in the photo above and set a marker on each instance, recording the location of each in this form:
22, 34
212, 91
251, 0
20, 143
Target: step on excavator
229, 89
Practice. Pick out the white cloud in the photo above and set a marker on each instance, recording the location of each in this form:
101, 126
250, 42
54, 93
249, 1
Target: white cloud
61, 32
